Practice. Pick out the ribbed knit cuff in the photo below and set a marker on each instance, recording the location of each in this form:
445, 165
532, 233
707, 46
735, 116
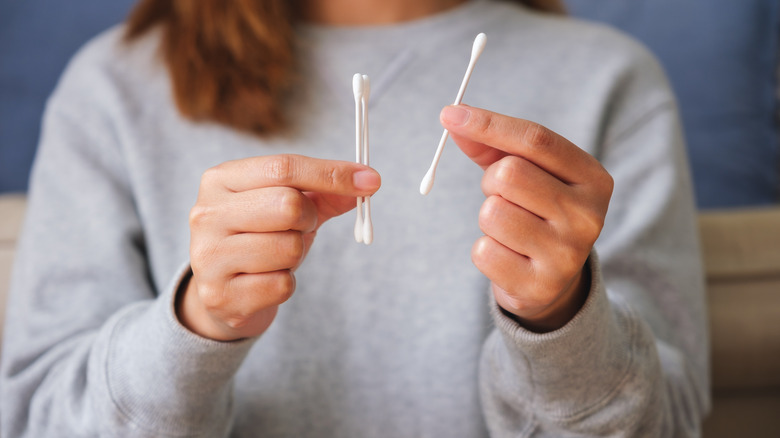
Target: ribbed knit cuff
166, 379
574, 369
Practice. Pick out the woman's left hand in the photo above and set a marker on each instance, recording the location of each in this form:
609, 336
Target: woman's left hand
545, 207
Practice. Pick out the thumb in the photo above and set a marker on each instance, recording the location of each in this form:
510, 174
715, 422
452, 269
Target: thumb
330, 205
453, 117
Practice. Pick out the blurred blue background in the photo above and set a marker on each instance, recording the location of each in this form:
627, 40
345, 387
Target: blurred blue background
37, 38
721, 57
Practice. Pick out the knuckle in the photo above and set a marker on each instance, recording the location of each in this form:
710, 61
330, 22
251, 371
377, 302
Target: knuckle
336, 177
506, 169
503, 175
485, 125
537, 136
608, 184
511, 161
488, 212
485, 219
295, 248
514, 303
283, 286
280, 169
588, 225
212, 298
236, 321
518, 301
532, 298
480, 252
602, 183
293, 206
489, 184
201, 215
583, 221
569, 260
212, 176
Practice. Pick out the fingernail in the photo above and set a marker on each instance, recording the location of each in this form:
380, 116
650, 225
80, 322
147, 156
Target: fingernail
455, 115
366, 180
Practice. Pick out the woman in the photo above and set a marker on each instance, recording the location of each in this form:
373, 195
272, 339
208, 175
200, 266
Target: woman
125, 321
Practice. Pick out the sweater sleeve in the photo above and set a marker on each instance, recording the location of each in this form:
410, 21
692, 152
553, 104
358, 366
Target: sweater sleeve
633, 361
92, 347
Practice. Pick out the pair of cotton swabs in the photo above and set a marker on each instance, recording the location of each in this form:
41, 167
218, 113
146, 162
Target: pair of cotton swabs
476, 50
361, 87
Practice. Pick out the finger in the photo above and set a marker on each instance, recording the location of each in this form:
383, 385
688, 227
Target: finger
519, 284
250, 293
247, 303
504, 267
247, 253
514, 227
476, 130
296, 171
523, 288
259, 210
523, 183
557, 250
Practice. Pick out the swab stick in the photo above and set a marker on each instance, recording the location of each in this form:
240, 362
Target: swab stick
361, 88
357, 90
368, 227
476, 50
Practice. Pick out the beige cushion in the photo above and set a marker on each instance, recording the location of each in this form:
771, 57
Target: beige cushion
749, 415
741, 252
741, 243
11, 214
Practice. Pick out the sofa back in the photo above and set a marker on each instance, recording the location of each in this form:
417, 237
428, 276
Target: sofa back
741, 251
11, 214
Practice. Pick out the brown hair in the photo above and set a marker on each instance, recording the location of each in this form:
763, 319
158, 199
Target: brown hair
233, 62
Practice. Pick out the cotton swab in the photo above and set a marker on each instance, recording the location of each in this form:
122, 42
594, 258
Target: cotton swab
476, 50
368, 227
361, 88
357, 90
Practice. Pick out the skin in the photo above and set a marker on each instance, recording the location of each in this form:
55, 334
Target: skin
546, 200
255, 219
251, 227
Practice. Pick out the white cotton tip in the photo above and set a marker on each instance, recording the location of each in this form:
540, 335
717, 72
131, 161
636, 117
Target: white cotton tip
357, 86
366, 87
479, 46
368, 232
359, 230
359, 220
427, 183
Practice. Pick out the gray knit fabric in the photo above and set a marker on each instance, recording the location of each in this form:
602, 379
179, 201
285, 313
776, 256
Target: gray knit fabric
397, 339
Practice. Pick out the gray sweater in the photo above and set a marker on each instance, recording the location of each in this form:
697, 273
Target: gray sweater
397, 339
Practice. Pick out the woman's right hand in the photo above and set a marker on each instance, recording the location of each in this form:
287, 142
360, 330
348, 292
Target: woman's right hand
250, 228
